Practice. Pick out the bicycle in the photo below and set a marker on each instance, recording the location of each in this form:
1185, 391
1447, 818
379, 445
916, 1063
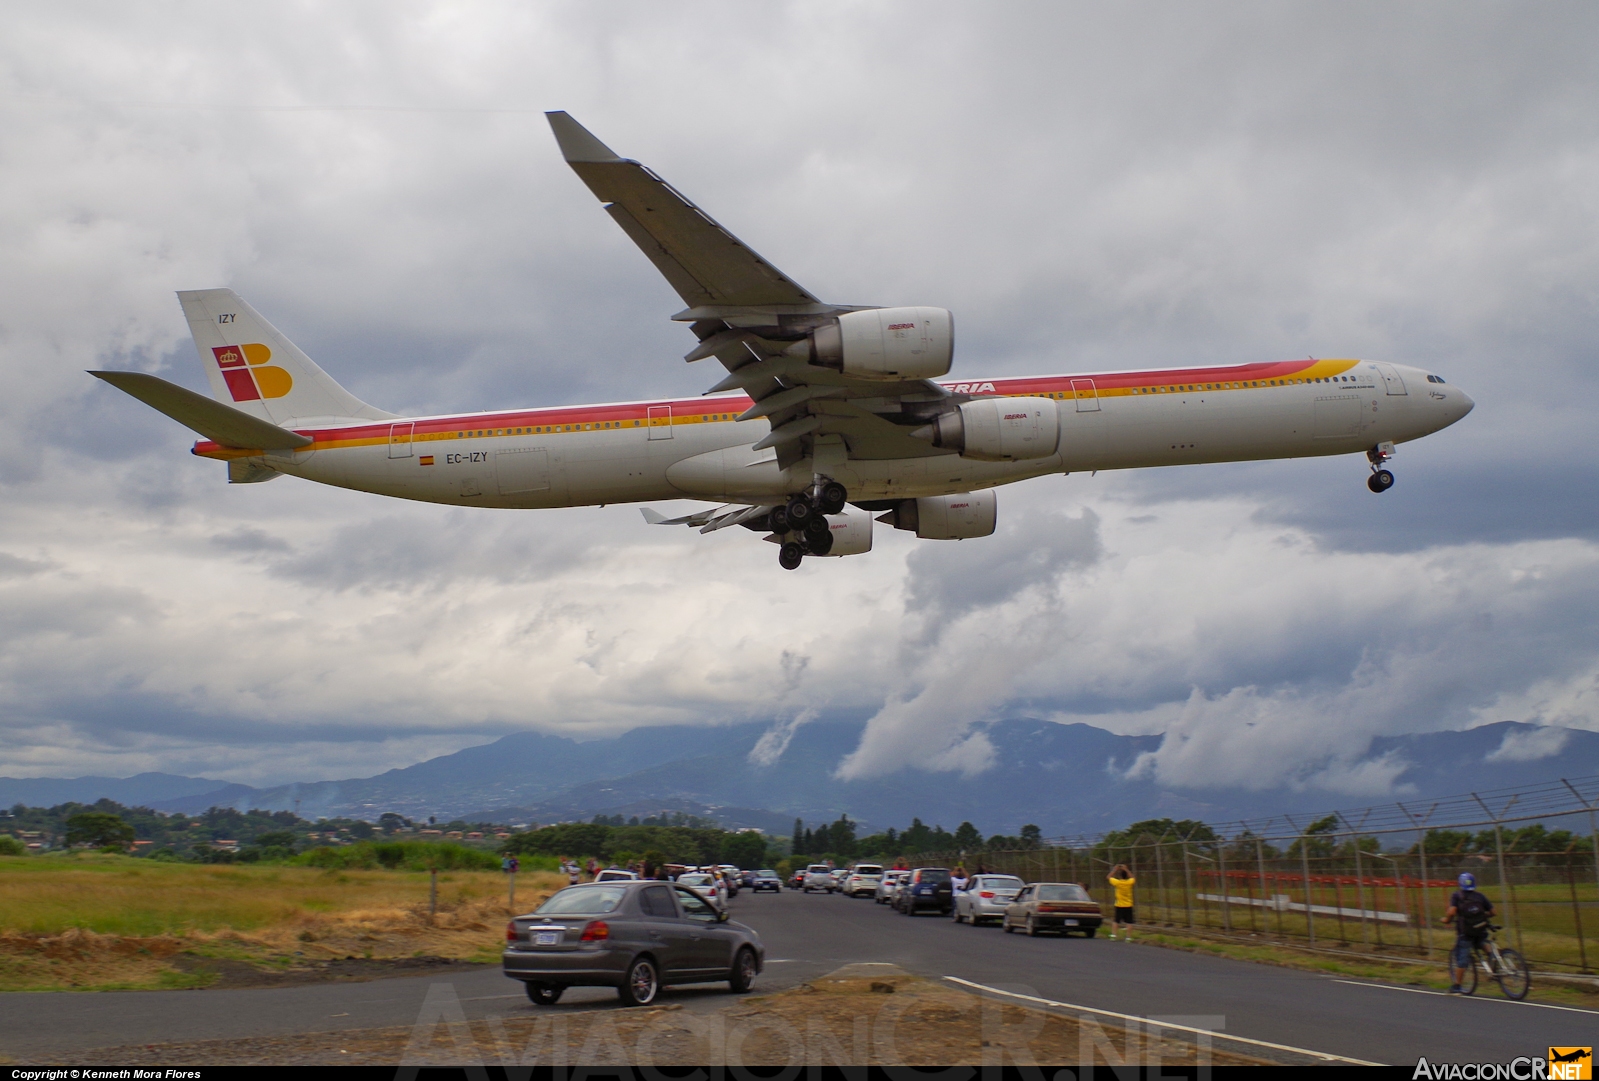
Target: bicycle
1505, 966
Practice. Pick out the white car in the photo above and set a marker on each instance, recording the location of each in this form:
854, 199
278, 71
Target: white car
886, 887
611, 874
986, 898
706, 885
862, 880
819, 876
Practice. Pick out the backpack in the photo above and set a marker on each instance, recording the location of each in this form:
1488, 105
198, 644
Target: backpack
1473, 912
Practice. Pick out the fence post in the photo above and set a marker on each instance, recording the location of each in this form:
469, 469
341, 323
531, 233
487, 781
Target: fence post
1504, 878
1593, 828
1226, 892
1366, 914
1188, 886
433, 893
1576, 909
1160, 878
1304, 865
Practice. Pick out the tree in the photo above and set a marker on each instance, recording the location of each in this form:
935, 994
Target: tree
967, 839
276, 839
799, 838
1032, 836
843, 838
745, 850
10, 846
98, 829
361, 829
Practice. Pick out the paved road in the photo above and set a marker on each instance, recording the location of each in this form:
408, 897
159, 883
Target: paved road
808, 935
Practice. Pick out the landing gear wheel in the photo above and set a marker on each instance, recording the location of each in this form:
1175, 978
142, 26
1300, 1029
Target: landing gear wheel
777, 520
833, 497
1380, 481
789, 557
743, 973
640, 985
542, 994
800, 511
819, 545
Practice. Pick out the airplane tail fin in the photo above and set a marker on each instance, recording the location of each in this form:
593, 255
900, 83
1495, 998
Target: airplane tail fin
254, 368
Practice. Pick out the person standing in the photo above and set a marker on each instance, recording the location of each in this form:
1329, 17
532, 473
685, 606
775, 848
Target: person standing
1472, 914
1122, 881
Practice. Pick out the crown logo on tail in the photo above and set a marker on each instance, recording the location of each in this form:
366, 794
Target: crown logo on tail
249, 377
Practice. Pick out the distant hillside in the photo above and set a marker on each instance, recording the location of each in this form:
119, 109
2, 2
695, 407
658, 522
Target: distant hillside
1065, 778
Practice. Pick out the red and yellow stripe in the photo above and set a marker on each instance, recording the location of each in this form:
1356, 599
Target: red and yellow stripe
561, 420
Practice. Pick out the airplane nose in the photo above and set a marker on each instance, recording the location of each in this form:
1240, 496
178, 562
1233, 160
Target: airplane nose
1467, 404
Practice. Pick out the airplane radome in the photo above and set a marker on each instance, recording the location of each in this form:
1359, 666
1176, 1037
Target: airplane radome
831, 417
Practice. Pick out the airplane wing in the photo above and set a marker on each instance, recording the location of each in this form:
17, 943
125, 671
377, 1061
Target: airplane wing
755, 320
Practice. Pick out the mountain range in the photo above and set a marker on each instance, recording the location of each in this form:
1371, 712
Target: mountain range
1065, 778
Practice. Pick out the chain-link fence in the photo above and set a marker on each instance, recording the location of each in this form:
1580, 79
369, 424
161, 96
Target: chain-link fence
1377, 878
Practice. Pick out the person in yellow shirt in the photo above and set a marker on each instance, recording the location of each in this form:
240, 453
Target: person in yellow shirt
1122, 880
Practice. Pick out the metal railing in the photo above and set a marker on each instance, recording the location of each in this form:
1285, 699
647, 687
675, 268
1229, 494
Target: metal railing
1374, 878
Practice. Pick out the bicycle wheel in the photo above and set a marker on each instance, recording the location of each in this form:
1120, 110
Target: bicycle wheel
1515, 980
1468, 978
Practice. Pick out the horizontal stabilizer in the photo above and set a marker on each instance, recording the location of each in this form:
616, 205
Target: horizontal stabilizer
222, 423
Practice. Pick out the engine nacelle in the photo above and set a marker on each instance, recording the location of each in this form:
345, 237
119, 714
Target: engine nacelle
887, 343
946, 517
852, 533
998, 429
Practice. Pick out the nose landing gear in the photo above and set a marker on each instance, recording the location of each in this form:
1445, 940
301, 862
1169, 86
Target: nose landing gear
1381, 479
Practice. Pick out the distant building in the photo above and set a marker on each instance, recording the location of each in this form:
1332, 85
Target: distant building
474, 836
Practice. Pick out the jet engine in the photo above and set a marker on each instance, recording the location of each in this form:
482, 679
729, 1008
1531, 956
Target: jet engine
997, 429
848, 534
946, 517
852, 533
886, 343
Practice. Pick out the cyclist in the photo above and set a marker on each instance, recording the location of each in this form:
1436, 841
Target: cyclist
1471, 914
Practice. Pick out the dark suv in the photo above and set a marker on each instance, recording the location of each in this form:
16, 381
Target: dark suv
927, 887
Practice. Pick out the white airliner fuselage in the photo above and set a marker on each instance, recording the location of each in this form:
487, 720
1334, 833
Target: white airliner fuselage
824, 406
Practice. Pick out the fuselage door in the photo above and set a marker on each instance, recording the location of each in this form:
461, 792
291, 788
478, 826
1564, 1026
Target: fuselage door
660, 421
1391, 378
400, 440
1086, 394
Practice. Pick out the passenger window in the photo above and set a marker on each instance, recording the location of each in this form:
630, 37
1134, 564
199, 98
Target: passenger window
657, 901
695, 907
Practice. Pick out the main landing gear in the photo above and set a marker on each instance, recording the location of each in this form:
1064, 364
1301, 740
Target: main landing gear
1381, 479
802, 523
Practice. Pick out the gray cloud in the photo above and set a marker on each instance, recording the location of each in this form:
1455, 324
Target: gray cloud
1115, 187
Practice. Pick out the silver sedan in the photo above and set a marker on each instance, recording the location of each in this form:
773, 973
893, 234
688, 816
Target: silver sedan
634, 936
985, 898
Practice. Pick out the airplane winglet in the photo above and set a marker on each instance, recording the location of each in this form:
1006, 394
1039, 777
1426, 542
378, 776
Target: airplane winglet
653, 517
577, 143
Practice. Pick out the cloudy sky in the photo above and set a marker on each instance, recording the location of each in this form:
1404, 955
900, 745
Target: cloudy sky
1086, 186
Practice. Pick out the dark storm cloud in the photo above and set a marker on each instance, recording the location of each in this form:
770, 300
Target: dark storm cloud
1086, 187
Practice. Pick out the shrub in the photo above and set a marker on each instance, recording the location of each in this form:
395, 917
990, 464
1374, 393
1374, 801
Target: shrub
10, 846
402, 855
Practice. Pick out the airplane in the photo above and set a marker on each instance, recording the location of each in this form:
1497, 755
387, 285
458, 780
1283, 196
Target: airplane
831, 416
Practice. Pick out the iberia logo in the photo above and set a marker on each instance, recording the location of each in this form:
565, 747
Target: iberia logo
247, 380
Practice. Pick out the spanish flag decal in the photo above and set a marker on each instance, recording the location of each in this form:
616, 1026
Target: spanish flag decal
249, 377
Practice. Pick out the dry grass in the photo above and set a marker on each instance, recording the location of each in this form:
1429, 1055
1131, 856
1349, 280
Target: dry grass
99, 921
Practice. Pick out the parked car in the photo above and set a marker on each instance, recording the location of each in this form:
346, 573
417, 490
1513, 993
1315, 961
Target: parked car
862, 880
819, 876
1053, 906
765, 880
634, 936
985, 898
890, 883
611, 874
927, 887
705, 884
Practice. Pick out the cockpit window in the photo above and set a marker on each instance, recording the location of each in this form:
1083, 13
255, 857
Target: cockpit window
1436, 379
